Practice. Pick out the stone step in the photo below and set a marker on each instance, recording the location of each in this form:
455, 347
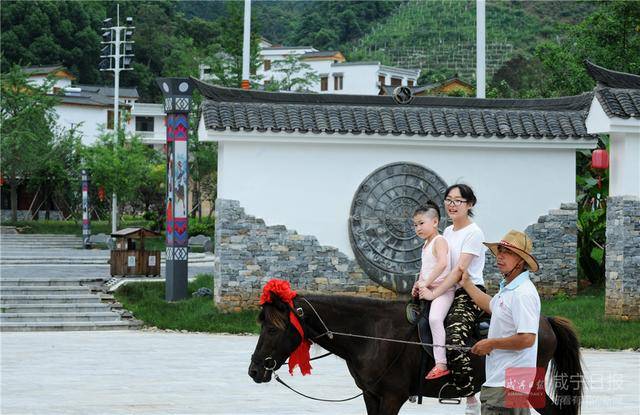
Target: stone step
55, 308
46, 282
49, 299
71, 326
43, 290
58, 317
34, 260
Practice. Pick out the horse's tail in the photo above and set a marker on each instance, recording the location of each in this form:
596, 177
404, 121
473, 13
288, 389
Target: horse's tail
566, 367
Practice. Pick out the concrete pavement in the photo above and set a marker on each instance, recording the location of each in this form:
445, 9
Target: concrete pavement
152, 372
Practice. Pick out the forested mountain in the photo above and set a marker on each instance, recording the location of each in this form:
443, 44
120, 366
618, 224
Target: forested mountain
173, 37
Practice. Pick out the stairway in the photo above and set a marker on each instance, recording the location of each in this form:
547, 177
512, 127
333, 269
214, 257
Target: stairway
60, 304
39, 241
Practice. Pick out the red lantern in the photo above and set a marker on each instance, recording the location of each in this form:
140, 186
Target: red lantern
600, 159
101, 193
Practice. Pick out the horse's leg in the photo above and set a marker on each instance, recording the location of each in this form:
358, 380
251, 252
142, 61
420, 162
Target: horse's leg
372, 402
391, 404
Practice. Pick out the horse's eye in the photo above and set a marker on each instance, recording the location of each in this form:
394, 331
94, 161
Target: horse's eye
272, 330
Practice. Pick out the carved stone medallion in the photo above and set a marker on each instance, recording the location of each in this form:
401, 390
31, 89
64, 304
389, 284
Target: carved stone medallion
381, 222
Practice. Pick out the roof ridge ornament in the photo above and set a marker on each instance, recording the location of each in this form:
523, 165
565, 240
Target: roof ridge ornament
403, 95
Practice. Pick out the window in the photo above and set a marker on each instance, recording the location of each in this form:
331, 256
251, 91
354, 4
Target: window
337, 82
109, 120
381, 79
324, 83
144, 123
396, 81
267, 64
410, 82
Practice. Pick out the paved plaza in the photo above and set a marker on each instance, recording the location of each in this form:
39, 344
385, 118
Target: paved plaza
153, 372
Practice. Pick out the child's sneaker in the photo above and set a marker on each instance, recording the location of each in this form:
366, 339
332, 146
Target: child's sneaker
436, 373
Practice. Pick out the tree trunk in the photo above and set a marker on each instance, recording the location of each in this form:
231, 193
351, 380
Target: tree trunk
14, 202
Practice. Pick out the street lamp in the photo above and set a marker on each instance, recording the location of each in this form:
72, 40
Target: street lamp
116, 56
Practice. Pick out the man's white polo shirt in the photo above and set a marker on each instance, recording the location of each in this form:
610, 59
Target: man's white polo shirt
514, 309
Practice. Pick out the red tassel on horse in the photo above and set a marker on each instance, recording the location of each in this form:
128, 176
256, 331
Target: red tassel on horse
282, 289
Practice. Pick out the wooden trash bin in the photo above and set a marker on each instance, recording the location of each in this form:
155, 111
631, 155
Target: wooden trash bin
129, 256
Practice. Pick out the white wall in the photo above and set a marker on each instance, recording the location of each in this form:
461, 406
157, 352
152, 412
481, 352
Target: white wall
309, 187
90, 117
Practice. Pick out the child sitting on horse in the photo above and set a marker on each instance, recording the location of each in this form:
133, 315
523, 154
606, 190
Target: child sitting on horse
435, 266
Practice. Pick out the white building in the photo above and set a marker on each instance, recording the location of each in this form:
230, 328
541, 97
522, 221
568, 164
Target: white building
89, 108
337, 76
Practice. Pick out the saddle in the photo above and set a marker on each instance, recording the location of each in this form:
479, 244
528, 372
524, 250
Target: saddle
418, 314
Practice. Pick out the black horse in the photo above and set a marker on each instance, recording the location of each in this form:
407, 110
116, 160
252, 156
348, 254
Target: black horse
388, 372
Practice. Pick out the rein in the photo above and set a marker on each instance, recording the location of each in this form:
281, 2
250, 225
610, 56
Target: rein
299, 311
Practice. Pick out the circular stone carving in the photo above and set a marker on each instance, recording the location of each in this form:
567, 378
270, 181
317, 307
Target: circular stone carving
381, 223
183, 87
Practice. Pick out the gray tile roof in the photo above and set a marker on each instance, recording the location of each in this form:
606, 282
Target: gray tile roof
612, 79
617, 92
622, 103
236, 109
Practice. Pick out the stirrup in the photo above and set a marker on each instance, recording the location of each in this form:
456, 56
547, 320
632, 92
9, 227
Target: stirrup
448, 401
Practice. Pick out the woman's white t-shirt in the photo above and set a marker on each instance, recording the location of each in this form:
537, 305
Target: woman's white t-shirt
467, 240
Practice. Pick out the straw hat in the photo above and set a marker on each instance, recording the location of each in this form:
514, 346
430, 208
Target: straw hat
518, 243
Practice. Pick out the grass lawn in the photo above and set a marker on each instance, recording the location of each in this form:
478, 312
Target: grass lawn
146, 301
587, 313
70, 227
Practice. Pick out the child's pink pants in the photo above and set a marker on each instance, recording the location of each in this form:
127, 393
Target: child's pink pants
437, 313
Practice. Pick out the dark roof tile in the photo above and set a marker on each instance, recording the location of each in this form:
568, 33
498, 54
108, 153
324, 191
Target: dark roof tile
563, 117
622, 103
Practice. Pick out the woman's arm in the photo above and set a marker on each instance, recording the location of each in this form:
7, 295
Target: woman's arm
481, 299
441, 249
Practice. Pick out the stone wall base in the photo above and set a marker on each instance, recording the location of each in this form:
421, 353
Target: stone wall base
250, 253
555, 244
622, 266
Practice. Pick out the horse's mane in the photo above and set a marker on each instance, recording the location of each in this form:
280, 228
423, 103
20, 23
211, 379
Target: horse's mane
355, 305
352, 300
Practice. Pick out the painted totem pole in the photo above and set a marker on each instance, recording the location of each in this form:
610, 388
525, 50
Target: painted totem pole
177, 104
86, 224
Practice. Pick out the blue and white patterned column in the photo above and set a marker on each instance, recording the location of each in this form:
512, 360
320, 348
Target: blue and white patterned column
86, 224
177, 104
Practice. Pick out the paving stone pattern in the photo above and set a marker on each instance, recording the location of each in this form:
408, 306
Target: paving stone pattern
555, 244
250, 253
622, 298
151, 373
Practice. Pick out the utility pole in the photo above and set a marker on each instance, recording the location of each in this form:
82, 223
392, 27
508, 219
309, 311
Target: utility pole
116, 56
246, 46
480, 49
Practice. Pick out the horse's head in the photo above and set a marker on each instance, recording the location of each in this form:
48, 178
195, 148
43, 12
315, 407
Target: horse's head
278, 339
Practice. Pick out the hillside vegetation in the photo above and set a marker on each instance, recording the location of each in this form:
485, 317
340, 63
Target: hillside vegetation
439, 36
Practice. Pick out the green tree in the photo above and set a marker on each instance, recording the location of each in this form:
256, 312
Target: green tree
609, 37
295, 75
26, 130
120, 166
57, 177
